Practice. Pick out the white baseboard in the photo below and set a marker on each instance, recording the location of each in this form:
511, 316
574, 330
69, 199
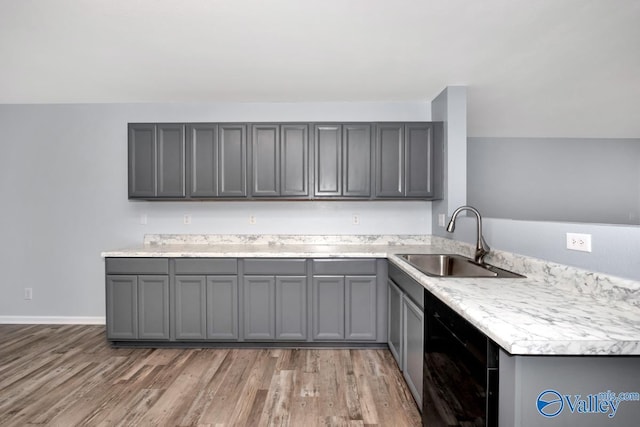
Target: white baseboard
52, 320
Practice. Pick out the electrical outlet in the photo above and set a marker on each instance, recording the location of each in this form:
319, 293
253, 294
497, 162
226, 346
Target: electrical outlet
356, 219
579, 242
28, 293
143, 219
187, 219
441, 219
252, 219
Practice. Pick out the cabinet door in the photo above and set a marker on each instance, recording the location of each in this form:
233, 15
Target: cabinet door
413, 346
222, 307
291, 307
232, 160
390, 160
202, 160
328, 308
356, 168
265, 165
395, 322
153, 307
419, 161
142, 160
361, 307
190, 315
294, 160
170, 168
328, 160
122, 307
259, 307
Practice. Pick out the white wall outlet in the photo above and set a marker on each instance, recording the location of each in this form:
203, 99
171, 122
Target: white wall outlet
252, 219
579, 242
187, 219
441, 219
28, 293
356, 219
143, 219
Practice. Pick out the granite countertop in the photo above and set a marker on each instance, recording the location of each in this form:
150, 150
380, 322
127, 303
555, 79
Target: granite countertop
555, 310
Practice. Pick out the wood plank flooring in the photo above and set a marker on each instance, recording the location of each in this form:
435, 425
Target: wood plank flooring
68, 375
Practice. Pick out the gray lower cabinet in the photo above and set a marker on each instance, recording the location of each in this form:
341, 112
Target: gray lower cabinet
328, 308
275, 299
395, 322
190, 307
205, 299
206, 307
361, 308
406, 160
412, 346
406, 327
275, 308
345, 300
222, 308
156, 161
220, 299
291, 308
137, 307
259, 308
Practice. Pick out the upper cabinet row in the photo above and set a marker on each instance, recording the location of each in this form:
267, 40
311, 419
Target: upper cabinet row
169, 161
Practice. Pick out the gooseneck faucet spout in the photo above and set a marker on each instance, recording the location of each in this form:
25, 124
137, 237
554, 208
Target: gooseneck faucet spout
482, 249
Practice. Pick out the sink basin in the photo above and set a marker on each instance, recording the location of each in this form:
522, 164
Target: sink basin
449, 265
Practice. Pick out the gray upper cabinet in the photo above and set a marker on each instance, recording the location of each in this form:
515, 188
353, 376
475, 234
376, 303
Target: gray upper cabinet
202, 161
279, 160
256, 161
156, 161
232, 160
406, 160
217, 160
342, 160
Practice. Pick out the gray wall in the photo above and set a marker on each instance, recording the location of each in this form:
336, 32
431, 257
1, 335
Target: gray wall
556, 179
524, 209
450, 107
63, 178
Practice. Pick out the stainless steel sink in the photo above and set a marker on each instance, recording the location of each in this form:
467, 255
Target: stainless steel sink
449, 265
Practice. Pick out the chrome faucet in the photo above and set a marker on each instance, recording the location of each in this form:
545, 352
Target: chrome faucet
482, 249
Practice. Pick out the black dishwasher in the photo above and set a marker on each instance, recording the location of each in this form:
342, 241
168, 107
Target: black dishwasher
460, 385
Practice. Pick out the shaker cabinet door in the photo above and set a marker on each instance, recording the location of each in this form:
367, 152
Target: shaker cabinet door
328, 308
122, 307
291, 308
153, 307
170, 161
259, 308
202, 160
232, 160
222, 307
190, 309
356, 168
390, 160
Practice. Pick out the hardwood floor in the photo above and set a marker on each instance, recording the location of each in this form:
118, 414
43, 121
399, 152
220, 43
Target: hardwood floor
67, 375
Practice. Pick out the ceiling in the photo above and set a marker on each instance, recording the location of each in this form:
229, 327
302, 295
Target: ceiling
567, 68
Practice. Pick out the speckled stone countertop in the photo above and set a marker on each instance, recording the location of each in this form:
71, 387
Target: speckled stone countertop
555, 310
